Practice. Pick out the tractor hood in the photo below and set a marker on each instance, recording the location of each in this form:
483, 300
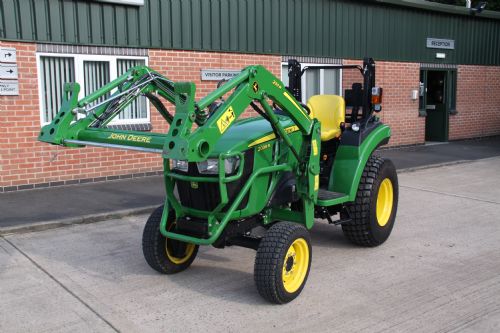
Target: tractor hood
249, 132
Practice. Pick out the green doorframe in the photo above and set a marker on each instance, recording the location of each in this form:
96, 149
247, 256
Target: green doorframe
450, 93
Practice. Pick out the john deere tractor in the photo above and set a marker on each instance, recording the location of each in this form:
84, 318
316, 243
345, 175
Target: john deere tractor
255, 182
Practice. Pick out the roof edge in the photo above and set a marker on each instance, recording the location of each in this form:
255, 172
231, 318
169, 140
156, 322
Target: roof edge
439, 7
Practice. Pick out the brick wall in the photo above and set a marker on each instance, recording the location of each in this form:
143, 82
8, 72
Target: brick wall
399, 111
350, 76
478, 103
186, 66
26, 163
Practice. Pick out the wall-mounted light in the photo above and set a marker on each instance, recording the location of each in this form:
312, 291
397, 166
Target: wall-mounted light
414, 94
479, 8
440, 55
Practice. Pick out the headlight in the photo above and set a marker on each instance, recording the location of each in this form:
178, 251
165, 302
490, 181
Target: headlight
211, 166
231, 164
179, 165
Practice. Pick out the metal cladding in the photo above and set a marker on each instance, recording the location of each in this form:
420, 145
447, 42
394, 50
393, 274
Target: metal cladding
326, 28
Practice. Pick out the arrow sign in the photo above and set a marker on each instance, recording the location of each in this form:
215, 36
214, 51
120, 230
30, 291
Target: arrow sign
7, 54
8, 71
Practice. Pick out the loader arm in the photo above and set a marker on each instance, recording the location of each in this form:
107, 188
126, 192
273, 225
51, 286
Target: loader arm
82, 122
183, 141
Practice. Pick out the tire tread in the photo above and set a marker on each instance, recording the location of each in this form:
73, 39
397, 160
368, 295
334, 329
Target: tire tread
268, 261
153, 246
358, 231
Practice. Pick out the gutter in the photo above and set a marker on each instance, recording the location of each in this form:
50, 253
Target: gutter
438, 7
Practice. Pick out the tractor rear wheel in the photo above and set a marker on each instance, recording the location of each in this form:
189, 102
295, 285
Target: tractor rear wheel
163, 254
373, 212
282, 262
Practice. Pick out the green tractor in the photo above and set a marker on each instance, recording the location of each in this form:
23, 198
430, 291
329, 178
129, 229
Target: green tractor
255, 182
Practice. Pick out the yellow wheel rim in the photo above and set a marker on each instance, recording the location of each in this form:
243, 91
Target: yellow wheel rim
295, 265
188, 251
385, 201
179, 260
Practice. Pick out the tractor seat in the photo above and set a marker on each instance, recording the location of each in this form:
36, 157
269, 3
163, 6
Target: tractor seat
330, 111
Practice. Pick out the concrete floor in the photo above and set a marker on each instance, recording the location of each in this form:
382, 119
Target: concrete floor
442, 152
438, 272
434, 153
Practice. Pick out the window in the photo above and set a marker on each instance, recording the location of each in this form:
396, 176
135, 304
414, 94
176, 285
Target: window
91, 72
316, 81
54, 72
449, 89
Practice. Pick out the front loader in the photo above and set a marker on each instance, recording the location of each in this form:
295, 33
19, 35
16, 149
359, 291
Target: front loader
255, 182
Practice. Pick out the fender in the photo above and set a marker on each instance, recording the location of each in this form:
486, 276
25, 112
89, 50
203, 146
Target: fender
350, 161
285, 191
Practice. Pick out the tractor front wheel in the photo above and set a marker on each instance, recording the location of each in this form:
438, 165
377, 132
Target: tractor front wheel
282, 262
165, 255
373, 212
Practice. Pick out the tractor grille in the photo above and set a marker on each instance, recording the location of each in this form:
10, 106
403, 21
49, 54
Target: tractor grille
206, 196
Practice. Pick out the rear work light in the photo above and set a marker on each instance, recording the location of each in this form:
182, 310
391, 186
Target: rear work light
377, 99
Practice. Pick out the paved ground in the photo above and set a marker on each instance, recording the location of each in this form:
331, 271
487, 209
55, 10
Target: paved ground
439, 272
439, 153
75, 201
88, 201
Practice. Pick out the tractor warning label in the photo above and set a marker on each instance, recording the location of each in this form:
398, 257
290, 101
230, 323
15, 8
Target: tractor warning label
315, 147
226, 119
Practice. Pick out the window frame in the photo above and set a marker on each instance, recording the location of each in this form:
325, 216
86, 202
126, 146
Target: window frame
450, 90
78, 60
321, 77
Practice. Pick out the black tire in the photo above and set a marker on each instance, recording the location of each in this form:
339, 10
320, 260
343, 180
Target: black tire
280, 275
365, 229
165, 255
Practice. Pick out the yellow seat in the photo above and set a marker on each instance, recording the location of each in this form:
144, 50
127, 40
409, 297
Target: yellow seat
330, 111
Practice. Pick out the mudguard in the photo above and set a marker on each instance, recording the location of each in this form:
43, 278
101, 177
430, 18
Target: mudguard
351, 159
